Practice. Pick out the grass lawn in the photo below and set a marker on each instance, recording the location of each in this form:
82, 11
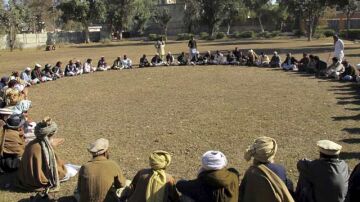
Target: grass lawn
189, 110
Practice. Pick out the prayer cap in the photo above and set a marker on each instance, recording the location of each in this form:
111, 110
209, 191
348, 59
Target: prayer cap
38, 65
263, 150
15, 121
99, 147
213, 160
28, 69
159, 160
6, 111
328, 147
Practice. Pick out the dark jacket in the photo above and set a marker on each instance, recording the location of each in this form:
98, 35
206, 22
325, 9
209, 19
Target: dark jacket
212, 186
353, 194
327, 178
292, 60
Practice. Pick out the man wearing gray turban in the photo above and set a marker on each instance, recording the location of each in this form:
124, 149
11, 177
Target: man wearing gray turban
40, 168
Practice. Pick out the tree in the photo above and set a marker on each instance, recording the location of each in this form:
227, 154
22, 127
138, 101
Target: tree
162, 17
13, 19
84, 11
141, 14
234, 11
119, 15
42, 13
258, 7
349, 10
212, 13
192, 15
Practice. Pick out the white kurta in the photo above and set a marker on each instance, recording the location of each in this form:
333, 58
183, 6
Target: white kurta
339, 50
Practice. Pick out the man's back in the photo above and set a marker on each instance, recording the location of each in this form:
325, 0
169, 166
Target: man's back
328, 177
96, 179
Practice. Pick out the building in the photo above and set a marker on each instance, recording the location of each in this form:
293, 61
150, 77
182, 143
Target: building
339, 21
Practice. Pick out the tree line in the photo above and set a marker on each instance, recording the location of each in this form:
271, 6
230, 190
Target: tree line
133, 15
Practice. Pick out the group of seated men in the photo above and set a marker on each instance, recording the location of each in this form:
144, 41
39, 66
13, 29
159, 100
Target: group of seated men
40, 169
339, 70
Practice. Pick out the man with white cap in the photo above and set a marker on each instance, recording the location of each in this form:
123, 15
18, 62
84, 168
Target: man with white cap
100, 177
26, 76
264, 181
324, 179
170, 59
36, 74
214, 183
126, 62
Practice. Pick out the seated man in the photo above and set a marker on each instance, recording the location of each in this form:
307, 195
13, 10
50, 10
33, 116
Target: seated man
275, 60
321, 67
335, 69
36, 74
197, 59
238, 54
117, 64
252, 58
311, 68
26, 76
57, 70
70, 69
153, 184
12, 143
40, 168
219, 58
351, 73
231, 59
144, 62
79, 67
207, 58
126, 63
304, 63
102, 65
98, 176
324, 179
214, 182
263, 61
182, 60
265, 180
156, 60
47, 73
170, 60
353, 194
290, 63
88, 68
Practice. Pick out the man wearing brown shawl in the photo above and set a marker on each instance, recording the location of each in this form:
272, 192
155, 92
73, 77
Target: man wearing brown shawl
40, 168
12, 143
99, 178
214, 183
262, 181
154, 184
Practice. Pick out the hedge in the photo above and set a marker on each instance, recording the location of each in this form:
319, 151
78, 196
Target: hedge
184, 36
353, 34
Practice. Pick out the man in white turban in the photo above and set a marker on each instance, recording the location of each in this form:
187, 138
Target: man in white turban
214, 181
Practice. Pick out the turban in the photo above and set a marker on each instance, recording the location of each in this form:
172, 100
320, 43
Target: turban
159, 160
263, 150
22, 106
99, 147
213, 160
155, 190
328, 147
45, 128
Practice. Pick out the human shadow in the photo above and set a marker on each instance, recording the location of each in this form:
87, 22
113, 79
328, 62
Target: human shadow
144, 43
353, 55
52, 199
351, 141
345, 118
349, 155
352, 130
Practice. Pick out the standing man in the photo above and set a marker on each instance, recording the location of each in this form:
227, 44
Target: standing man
160, 47
192, 47
339, 48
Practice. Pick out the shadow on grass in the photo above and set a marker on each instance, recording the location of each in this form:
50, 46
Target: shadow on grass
353, 55
352, 130
145, 43
351, 141
349, 155
53, 199
346, 118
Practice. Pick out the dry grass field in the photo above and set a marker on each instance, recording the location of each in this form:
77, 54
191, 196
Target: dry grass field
189, 110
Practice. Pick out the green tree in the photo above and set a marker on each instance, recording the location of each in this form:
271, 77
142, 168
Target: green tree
119, 15
258, 7
162, 17
141, 14
349, 10
42, 13
86, 12
192, 15
212, 13
235, 11
13, 19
